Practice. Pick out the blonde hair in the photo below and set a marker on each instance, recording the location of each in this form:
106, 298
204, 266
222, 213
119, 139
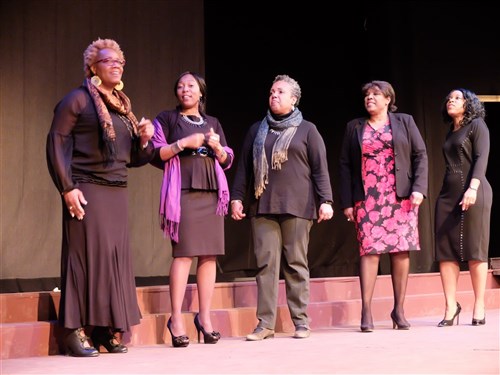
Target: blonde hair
91, 52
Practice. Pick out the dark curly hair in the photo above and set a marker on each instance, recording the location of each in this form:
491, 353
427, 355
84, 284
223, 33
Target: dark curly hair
473, 107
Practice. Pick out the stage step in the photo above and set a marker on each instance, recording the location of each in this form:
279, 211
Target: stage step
28, 320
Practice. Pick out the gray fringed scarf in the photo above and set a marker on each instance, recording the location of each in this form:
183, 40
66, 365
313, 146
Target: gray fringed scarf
288, 127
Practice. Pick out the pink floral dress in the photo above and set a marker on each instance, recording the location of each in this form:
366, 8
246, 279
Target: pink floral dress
384, 223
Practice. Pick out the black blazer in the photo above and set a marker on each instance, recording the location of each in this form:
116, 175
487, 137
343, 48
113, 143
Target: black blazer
410, 159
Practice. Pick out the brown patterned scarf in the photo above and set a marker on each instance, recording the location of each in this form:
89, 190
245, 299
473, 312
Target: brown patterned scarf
119, 103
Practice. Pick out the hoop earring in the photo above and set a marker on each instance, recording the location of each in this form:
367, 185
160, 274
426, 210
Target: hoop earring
119, 86
96, 81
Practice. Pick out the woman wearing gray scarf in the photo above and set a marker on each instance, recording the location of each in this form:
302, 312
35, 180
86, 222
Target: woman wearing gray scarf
282, 184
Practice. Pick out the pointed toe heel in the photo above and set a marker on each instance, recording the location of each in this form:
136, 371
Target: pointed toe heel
449, 322
399, 323
367, 328
366, 322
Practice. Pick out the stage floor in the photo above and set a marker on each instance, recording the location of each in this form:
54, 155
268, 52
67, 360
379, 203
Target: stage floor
424, 349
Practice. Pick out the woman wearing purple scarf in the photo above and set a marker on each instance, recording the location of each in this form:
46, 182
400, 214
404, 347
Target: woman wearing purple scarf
190, 147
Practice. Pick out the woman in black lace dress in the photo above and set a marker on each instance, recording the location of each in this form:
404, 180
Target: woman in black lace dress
463, 207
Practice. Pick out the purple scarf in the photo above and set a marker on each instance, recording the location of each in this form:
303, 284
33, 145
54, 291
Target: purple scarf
170, 192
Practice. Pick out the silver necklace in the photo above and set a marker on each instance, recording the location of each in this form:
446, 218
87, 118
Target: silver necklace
274, 131
127, 123
200, 123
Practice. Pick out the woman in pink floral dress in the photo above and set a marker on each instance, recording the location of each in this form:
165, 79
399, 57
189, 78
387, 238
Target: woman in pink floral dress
383, 180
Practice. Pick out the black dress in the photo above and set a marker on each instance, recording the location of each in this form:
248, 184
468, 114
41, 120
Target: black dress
464, 235
97, 279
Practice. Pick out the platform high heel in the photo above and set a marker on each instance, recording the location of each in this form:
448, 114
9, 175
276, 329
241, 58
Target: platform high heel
399, 324
449, 322
208, 337
103, 336
177, 341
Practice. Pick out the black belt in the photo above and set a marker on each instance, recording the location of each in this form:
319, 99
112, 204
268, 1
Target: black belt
201, 151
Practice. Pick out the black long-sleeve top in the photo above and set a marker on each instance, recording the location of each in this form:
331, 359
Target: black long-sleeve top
298, 188
197, 172
75, 148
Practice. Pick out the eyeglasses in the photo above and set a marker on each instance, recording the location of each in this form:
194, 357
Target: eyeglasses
111, 62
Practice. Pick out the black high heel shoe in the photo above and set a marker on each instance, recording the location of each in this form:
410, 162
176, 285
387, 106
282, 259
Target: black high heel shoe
449, 322
208, 337
177, 341
479, 322
75, 344
399, 324
366, 326
103, 336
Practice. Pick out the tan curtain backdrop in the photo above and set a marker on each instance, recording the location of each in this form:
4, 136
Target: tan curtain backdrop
41, 59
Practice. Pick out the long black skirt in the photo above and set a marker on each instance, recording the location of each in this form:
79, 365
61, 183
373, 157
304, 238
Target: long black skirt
97, 278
